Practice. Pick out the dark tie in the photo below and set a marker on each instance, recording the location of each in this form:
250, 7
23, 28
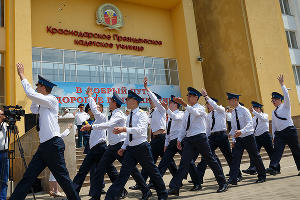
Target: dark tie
130, 125
110, 114
169, 126
213, 120
151, 113
188, 122
38, 120
275, 113
237, 120
256, 125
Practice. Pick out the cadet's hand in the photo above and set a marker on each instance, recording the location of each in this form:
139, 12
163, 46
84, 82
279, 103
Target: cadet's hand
86, 128
70, 126
203, 92
165, 148
20, 69
89, 91
121, 152
233, 144
118, 130
146, 84
280, 79
179, 145
238, 133
180, 101
165, 105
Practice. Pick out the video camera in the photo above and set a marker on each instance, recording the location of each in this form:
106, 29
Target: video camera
13, 114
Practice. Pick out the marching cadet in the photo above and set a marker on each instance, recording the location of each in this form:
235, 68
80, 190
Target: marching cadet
216, 132
137, 150
86, 134
158, 130
242, 131
195, 141
50, 152
261, 133
170, 149
80, 117
117, 119
283, 129
97, 144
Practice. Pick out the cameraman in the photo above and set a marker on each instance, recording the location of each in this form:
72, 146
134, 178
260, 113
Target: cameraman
4, 163
50, 152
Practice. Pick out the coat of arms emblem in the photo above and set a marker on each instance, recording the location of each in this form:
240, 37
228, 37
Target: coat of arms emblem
110, 16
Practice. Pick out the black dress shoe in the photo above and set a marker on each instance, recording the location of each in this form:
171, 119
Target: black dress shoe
223, 188
147, 195
227, 174
249, 171
103, 192
190, 181
272, 171
239, 179
173, 191
260, 180
124, 194
232, 182
136, 187
299, 173
196, 188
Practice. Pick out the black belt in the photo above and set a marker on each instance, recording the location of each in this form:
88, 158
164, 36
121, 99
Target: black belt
217, 132
287, 128
4, 151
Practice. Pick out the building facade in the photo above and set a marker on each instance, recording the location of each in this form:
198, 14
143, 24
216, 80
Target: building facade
235, 46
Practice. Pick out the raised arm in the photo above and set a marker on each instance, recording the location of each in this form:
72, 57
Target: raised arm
261, 116
287, 103
177, 116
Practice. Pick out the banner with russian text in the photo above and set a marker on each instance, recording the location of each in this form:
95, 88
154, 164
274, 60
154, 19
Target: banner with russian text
70, 94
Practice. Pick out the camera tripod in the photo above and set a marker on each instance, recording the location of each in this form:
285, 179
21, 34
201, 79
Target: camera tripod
13, 132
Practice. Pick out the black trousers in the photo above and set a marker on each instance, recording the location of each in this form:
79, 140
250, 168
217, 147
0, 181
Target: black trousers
168, 157
287, 136
192, 147
90, 163
137, 154
110, 155
249, 144
157, 147
216, 140
263, 140
49, 154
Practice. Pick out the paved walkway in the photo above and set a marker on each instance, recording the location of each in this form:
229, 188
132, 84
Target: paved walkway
283, 186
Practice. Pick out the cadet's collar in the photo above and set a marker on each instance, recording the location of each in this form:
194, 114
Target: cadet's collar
115, 110
135, 110
239, 106
195, 105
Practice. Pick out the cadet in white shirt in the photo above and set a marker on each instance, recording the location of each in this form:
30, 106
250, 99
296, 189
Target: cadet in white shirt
137, 150
158, 130
173, 131
195, 141
283, 129
80, 117
242, 132
50, 152
97, 148
216, 132
117, 119
261, 133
